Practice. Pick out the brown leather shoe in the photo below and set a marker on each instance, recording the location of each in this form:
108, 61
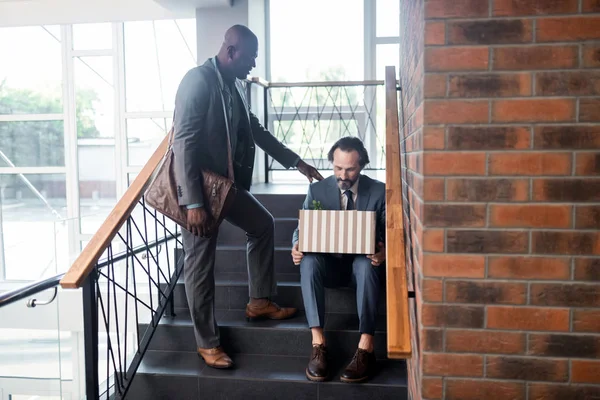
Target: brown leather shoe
269, 311
360, 368
317, 370
215, 357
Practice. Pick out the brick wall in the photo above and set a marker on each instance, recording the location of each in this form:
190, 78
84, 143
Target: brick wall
507, 243
411, 122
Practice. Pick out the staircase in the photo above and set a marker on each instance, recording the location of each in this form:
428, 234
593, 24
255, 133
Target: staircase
270, 356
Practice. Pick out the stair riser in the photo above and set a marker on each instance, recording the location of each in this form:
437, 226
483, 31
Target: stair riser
158, 387
282, 205
236, 298
267, 341
232, 235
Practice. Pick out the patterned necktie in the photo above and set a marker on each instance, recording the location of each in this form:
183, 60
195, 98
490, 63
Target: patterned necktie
350, 203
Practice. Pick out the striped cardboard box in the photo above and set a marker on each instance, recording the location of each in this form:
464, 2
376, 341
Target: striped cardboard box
340, 232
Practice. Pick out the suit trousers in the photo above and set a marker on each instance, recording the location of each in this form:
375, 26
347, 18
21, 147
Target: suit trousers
319, 271
199, 264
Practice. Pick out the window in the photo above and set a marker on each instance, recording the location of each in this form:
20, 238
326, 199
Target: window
315, 40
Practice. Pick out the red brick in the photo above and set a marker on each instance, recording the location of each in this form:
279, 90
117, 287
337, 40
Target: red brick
456, 266
456, 111
567, 29
566, 190
503, 31
589, 110
456, 58
540, 391
587, 164
434, 86
452, 316
432, 388
586, 320
455, 9
565, 242
479, 389
529, 268
474, 292
587, 269
520, 368
564, 345
530, 216
434, 189
469, 341
488, 189
533, 110
488, 137
567, 137
508, 8
433, 138
486, 241
433, 240
591, 55
435, 32
591, 6
528, 318
571, 83
433, 339
490, 85
433, 290
585, 371
536, 57
454, 163
565, 295
452, 364
452, 215
530, 164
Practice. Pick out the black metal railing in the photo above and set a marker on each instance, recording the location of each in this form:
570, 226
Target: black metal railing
309, 117
120, 291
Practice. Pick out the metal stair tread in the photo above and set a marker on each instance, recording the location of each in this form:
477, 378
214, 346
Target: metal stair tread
262, 368
334, 322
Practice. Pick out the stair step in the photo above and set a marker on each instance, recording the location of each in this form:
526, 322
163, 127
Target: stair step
163, 374
289, 337
283, 205
284, 230
232, 294
232, 259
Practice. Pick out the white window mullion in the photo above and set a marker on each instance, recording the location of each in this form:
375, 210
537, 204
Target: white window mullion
70, 130
120, 123
32, 170
31, 117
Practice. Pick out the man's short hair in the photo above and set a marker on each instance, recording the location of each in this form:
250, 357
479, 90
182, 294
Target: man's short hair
348, 144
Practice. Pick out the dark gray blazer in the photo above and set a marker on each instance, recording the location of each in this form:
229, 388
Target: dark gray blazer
371, 197
200, 139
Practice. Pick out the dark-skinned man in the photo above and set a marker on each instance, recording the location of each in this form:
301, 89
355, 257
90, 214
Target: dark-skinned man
210, 106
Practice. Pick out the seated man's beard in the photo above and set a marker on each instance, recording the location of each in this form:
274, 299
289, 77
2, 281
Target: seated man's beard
345, 184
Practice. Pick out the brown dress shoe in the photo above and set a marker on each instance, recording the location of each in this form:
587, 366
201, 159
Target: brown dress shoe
269, 311
215, 357
317, 370
360, 368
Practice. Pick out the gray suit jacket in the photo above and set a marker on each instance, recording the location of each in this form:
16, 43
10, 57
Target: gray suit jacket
370, 197
200, 139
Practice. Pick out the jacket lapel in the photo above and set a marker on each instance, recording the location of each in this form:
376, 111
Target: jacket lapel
364, 192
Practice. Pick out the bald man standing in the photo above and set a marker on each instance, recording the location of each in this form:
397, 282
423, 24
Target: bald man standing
210, 112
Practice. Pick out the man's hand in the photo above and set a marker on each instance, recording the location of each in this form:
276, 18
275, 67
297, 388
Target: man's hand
296, 255
309, 171
378, 258
199, 221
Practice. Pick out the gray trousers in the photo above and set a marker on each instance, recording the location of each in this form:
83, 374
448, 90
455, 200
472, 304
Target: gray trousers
199, 265
319, 271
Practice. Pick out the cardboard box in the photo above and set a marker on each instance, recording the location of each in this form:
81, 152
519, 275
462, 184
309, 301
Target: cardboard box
338, 232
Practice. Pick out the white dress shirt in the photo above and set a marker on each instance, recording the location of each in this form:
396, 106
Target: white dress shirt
344, 199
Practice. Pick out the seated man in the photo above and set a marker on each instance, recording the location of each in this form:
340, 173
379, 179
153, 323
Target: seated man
347, 189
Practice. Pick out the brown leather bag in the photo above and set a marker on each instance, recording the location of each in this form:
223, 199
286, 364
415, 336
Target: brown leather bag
219, 191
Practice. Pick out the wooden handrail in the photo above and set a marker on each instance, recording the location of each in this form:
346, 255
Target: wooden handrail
398, 329
85, 263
